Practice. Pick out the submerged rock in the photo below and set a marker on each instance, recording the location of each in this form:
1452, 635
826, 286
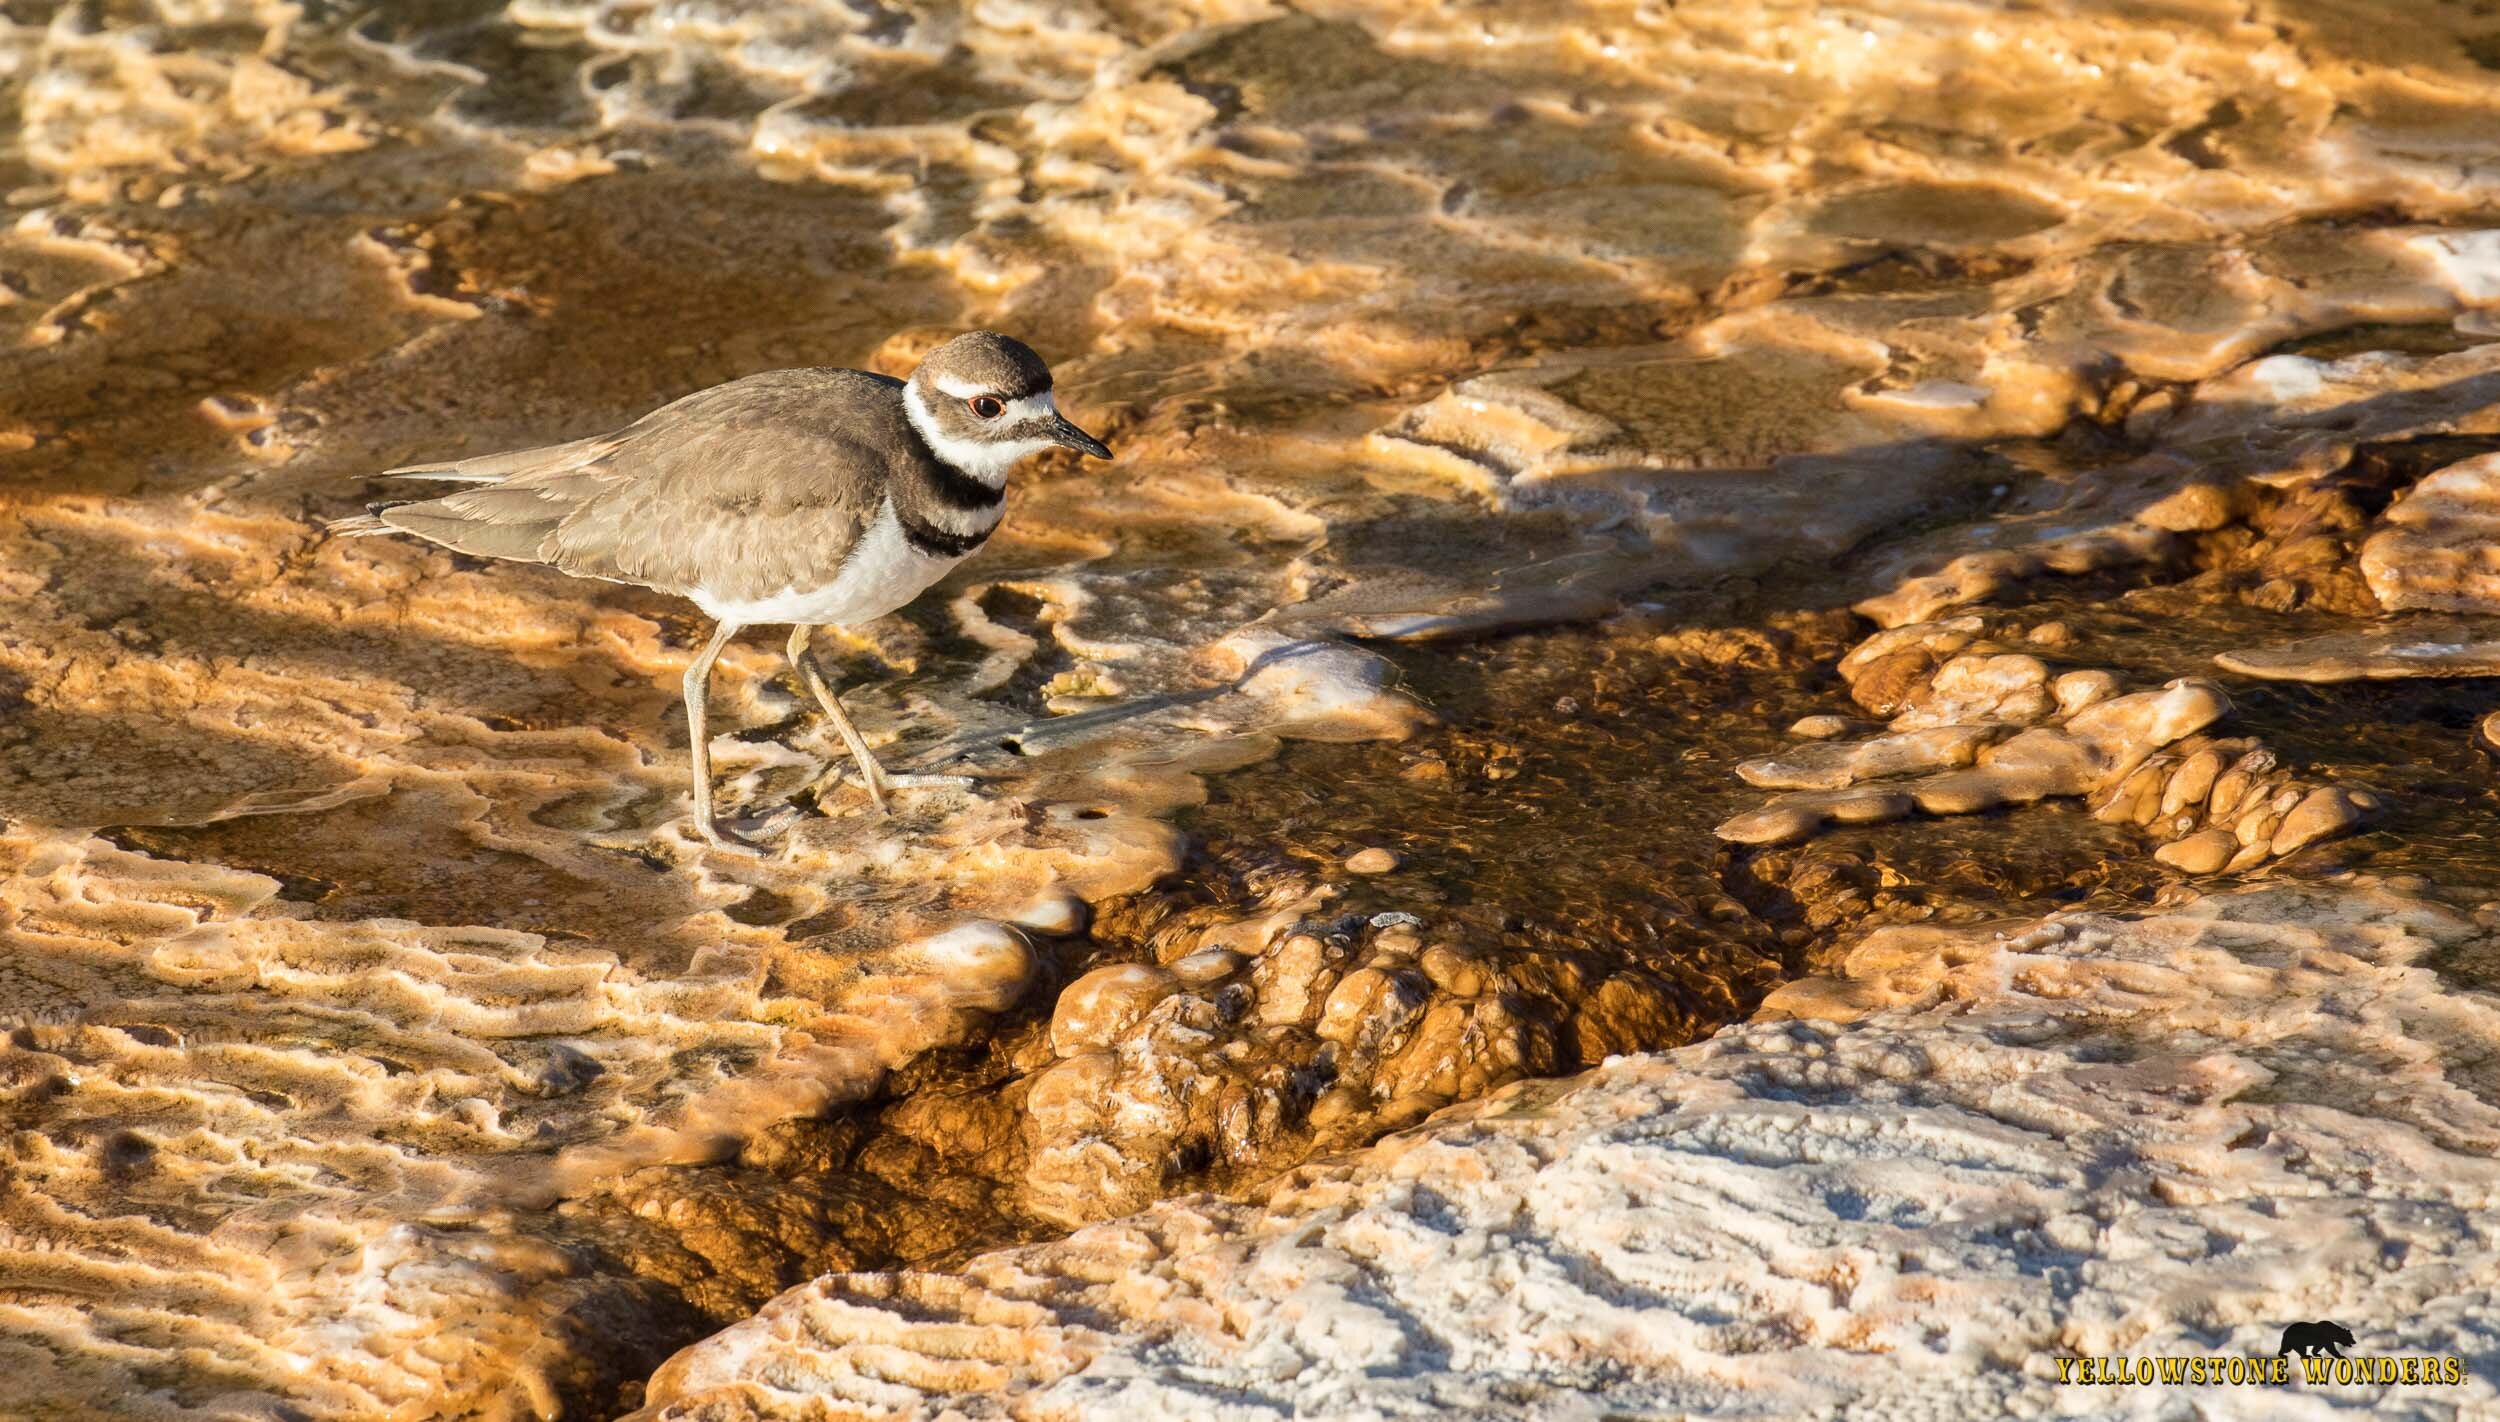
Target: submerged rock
1981, 730
1834, 764
1371, 861
2415, 650
1795, 817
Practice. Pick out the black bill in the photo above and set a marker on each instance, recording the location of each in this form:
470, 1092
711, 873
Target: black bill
1062, 432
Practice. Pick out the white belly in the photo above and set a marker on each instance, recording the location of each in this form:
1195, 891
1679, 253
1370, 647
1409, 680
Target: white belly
883, 573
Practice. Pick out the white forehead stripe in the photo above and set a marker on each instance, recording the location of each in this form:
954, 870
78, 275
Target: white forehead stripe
1026, 406
984, 460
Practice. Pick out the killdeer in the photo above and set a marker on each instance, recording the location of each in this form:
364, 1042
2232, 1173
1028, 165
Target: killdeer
798, 497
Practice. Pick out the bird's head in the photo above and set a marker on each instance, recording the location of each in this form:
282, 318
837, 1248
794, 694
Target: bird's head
983, 401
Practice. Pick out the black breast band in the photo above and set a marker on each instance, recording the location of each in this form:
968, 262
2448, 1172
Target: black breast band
934, 541
955, 489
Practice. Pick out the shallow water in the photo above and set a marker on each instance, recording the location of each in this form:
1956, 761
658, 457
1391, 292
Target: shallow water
1512, 408
2414, 739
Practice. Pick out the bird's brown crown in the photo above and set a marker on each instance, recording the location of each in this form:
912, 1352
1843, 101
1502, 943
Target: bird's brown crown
987, 363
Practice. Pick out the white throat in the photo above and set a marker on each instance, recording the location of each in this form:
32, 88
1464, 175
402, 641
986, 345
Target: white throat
984, 460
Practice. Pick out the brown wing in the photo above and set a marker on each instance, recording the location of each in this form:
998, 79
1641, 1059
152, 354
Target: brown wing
745, 489
513, 520
495, 468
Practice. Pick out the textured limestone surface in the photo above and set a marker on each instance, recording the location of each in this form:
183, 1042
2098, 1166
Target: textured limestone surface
1903, 1192
2261, 445
1982, 723
2406, 650
2438, 547
375, 1040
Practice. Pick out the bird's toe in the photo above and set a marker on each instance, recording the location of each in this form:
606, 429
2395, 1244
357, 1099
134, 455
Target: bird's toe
929, 782
755, 829
725, 835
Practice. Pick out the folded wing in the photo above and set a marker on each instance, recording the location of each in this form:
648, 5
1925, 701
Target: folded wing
746, 489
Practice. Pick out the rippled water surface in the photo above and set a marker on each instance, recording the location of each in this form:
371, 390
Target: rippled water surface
1526, 416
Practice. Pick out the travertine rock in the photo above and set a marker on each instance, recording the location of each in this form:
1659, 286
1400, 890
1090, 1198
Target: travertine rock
1823, 728
1098, 1007
2127, 1096
1885, 670
2440, 548
335, 870
1834, 764
2138, 759
1793, 817
2077, 690
2204, 852
2328, 810
1310, 1034
2008, 689
1371, 861
2428, 649
2269, 426
2092, 750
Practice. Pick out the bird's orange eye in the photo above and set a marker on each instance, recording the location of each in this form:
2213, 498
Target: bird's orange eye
987, 407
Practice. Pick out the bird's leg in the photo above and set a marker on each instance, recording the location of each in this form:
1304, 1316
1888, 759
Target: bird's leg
870, 772
699, 737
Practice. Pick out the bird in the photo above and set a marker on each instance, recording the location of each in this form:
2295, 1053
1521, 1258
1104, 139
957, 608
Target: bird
807, 498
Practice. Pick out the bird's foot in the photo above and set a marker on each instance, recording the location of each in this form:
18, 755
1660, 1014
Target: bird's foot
724, 836
878, 788
747, 834
929, 782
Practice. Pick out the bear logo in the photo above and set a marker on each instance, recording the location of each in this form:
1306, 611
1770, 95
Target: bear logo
2312, 1339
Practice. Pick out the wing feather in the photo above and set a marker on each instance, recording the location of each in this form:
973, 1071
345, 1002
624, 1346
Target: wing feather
745, 490
494, 468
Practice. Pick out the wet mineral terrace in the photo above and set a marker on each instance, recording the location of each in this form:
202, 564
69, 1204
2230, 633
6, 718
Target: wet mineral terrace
1633, 522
